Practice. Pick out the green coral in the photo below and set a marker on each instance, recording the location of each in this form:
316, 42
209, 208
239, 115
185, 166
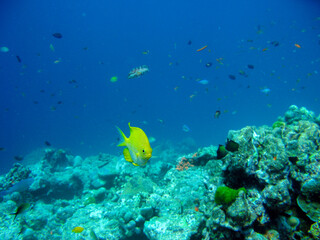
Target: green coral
225, 195
278, 124
315, 230
89, 200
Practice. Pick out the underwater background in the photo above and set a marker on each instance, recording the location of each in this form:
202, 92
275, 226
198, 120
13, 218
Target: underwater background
191, 74
102, 39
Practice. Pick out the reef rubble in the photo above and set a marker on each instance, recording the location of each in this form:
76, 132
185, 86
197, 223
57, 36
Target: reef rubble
275, 168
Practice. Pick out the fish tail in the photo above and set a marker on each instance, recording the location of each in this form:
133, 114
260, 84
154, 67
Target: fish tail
15, 215
123, 138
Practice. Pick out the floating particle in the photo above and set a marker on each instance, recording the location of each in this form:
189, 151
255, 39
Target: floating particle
209, 64
51, 47
243, 73
57, 35
185, 128
189, 42
203, 81
114, 79
297, 45
265, 90
200, 49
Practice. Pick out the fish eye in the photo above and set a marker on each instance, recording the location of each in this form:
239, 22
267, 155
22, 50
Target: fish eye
143, 150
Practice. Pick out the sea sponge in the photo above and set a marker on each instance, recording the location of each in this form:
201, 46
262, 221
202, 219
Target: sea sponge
225, 195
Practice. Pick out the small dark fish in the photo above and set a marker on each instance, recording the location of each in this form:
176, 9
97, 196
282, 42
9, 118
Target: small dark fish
85, 48
47, 143
249, 40
250, 66
57, 35
217, 114
275, 43
35, 102
209, 64
18, 58
59, 102
93, 235
23, 207
293, 159
18, 158
232, 77
189, 42
72, 81
232, 146
2, 148
42, 91
221, 152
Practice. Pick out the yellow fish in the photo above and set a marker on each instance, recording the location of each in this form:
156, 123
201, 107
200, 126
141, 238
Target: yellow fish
77, 229
138, 150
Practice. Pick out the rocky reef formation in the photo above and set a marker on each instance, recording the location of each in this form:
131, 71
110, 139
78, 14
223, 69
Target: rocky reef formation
264, 184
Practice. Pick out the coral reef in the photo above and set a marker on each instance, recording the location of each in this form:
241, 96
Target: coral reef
264, 184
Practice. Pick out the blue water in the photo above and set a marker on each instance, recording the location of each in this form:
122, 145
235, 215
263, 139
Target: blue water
102, 39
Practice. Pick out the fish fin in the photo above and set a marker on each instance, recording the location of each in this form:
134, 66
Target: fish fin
130, 128
135, 164
123, 138
15, 215
127, 155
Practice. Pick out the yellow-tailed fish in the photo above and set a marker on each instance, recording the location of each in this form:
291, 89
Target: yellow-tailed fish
77, 229
138, 150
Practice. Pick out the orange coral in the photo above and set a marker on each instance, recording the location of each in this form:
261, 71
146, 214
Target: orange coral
195, 155
184, 164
